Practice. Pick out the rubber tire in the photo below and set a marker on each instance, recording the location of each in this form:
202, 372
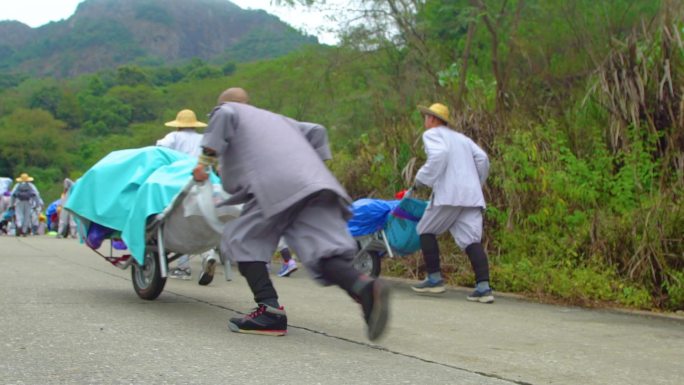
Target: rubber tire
368, 262
147, 280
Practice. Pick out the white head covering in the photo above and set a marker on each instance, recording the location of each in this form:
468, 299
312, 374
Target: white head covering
5, 184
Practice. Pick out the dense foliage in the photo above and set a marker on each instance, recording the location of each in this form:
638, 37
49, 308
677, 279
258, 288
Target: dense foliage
578, 103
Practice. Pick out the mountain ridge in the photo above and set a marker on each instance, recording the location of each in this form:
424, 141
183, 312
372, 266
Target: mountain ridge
106, 33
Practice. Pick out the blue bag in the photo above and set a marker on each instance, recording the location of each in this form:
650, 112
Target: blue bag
369, 215
400, 228
52, 208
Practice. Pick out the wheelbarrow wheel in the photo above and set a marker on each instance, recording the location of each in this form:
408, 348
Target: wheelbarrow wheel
368, 262
147, 280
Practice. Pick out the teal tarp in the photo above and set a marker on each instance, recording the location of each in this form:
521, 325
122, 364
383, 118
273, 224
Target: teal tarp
125, 187
400, 227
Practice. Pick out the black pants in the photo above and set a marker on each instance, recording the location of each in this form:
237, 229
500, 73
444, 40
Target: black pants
430, 248
259, 282
476, 254
336, 270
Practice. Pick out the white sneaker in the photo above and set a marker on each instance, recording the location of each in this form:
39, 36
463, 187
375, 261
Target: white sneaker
288, 268
208, 268
180, 273
481, 296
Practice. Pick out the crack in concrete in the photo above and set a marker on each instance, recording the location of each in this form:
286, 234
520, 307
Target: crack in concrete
365, 344
369, 345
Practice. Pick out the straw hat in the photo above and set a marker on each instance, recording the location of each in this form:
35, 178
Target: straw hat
24, 177
185, 118
438, 110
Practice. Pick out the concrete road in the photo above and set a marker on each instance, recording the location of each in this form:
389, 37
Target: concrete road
69, 317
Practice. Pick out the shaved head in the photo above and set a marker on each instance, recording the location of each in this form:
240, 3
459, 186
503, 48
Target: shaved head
234, 94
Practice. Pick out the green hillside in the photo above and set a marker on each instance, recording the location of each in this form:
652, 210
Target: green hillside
106, 33
578, 103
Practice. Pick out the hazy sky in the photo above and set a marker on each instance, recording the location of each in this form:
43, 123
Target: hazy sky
38, 12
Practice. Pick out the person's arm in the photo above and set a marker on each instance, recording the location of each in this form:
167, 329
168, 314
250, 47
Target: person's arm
317, 137
208, 158
216, 139
168, 141
38, 199
481, 162
437, 152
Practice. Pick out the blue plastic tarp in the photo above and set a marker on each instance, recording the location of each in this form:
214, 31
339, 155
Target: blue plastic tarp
51, 212
125, 187
369, 215
52, 208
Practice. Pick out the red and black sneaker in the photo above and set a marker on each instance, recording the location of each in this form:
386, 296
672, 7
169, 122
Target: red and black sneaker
265, 320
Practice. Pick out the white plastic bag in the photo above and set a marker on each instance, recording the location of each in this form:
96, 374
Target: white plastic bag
196, 225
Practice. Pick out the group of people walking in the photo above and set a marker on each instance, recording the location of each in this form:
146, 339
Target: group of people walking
275, 167
21, 208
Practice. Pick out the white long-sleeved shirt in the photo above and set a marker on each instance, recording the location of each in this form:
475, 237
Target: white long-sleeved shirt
456, 168
184, 140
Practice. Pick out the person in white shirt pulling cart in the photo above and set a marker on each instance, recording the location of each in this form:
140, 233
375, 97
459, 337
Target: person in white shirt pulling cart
456, 169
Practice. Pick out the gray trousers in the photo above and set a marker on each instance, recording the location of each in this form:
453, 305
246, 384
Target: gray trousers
23, 211
464, 223
314, 228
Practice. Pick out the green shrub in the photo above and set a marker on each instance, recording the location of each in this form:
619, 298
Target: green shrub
675, 290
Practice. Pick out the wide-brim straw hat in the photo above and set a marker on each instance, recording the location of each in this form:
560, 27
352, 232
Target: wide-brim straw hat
185, 119
438, 110
24, 177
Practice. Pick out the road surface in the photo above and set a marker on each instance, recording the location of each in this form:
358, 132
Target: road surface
69, 317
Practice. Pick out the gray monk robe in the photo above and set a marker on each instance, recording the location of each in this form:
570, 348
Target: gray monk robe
274, 165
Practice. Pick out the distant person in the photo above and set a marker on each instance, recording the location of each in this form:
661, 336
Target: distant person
5, 192
5, 185
6, 217
25, 199
455, 169
36, 215
5, 213
186, 139
67, 224
274, 166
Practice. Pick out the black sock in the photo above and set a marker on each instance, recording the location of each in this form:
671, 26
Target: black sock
285, 253
340, 271
478, 259
430, 249
259, 282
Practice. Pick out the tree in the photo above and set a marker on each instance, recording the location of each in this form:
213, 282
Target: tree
228, 68
145, 102
104, 115
95, 87
69, 110
129, 75
204, 72
502, 24
33, 138
46, 98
